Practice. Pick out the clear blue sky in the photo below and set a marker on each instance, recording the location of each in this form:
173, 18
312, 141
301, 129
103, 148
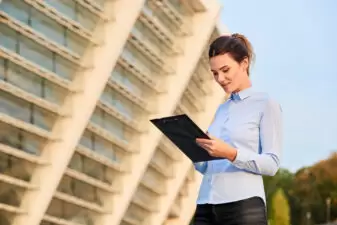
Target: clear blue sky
295, 43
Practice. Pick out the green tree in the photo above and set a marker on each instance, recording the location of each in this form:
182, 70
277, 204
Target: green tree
283, 179
280, 209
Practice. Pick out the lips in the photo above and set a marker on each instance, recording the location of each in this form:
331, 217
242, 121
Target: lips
225, 85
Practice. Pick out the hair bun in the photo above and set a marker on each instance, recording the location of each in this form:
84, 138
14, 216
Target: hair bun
243, 40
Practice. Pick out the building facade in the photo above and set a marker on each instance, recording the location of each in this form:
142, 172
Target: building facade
79, 81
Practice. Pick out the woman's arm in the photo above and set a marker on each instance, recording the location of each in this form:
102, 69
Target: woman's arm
268, 162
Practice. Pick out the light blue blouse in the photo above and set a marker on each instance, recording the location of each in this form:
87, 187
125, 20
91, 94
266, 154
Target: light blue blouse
252, 123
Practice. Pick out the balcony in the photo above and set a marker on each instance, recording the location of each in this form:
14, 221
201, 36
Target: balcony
177, 23
167, 147
149, 50
135, 214
65, 208
143, 75
146, 199
154, 181
82, 22
160, 30
128, 56
162, 163
34, 55
94, 8
25, 72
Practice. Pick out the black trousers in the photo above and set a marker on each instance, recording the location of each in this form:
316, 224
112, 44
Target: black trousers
250, 211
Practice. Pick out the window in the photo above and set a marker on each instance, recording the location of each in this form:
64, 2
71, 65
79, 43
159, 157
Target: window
121, 76
136, 213
36, 53
105, 148
17, 9
57, 33
91, 168
117, 101
15, 167
87, 140
146, 196
178, 6
160, 16
48, 27
34, 84
109, 123
162, 161
8, 38
101, 146
10, 194
66, 7
14, 107
153, 178
141, 60
20, 139
70, 212
26, 112
185, 101
64, 68
74, 11
80, 190
2, 69
150, 36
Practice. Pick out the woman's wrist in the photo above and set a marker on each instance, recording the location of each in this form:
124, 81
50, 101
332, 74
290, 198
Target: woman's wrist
231, 153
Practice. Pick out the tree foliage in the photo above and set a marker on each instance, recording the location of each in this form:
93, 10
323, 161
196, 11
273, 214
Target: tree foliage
307, 191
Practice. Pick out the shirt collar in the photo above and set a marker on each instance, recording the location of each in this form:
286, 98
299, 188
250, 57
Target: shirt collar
237, 96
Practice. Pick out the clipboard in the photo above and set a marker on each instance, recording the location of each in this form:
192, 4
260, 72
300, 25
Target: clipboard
182, 131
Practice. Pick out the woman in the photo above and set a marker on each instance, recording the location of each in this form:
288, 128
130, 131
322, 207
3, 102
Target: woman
247, 133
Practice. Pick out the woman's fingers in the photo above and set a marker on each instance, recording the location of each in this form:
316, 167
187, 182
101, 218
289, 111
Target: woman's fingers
206, 144
204, 141
207, 147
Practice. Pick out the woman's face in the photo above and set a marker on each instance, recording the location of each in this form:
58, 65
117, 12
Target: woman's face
229, 74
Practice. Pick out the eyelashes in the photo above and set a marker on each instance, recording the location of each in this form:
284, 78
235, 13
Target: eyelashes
223, 71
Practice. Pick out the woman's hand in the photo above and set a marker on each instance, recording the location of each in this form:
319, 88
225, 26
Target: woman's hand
217, 148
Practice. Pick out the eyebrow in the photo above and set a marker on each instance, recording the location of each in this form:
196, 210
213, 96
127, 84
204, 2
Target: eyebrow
223, 67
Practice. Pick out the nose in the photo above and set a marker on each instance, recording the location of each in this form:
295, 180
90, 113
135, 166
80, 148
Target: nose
221, 78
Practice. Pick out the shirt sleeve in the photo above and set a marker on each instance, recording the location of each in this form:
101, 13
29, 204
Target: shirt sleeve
268, 161
201, 167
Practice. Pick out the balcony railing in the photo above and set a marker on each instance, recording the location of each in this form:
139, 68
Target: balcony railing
57, 16
161, 31
178, 24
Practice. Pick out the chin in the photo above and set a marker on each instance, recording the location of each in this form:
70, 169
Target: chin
228, 90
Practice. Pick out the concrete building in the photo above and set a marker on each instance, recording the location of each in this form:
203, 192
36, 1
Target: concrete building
79, 81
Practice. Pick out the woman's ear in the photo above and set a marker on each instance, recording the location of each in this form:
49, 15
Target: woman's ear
245, 64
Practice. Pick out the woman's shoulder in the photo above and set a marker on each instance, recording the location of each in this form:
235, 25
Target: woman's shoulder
268, 101
265, 97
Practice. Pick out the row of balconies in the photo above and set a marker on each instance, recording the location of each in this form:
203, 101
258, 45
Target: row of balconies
169, 155
95, 168
27, 127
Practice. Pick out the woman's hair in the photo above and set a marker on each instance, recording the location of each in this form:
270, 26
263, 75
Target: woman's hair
237, 45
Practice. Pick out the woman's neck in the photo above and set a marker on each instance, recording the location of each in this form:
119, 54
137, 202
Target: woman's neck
244, 86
